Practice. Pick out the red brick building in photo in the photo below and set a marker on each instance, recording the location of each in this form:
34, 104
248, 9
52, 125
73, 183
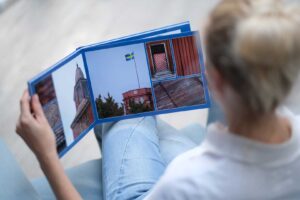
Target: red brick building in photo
141, 95
47, 95
84, 114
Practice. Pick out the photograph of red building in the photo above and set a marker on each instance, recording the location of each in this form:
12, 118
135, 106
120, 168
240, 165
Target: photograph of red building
133, 78
161, 59
84, 115
120, 80
137, 100
170, 61
47, 95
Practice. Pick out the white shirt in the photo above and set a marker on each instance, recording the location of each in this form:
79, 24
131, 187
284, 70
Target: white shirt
227, 166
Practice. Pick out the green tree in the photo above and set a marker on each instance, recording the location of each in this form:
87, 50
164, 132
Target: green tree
138, 107
108, 107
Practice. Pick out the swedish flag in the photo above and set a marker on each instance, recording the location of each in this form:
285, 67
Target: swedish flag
129, 56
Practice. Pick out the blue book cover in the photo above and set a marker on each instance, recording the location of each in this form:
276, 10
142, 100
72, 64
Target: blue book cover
154, 72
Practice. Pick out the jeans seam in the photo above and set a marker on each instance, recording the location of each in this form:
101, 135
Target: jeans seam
122, 162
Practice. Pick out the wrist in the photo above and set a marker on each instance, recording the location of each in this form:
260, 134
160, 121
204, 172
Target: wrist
47, 159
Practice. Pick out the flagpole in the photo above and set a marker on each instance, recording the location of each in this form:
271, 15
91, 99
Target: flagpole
136, 71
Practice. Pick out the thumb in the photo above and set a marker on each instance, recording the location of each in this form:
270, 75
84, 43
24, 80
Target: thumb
37, 108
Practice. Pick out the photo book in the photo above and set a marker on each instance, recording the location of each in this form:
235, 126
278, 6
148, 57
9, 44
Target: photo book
150, 73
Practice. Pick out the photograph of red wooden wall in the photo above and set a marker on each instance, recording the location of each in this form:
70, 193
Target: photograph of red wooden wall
186, 55
160, 59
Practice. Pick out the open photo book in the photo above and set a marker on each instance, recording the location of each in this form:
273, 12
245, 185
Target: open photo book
150, 73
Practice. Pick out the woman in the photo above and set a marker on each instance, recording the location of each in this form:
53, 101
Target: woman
253, 50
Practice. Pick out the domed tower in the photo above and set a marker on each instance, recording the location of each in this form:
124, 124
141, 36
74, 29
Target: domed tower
84, 115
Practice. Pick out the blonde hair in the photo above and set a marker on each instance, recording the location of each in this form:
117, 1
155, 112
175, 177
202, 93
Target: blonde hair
255, 45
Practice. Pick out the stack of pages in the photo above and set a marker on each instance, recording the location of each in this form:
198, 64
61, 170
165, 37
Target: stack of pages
150, 73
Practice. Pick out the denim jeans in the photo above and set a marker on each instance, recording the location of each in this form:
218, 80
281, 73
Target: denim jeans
131, 159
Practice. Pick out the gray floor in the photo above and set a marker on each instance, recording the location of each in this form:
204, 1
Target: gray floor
36, 34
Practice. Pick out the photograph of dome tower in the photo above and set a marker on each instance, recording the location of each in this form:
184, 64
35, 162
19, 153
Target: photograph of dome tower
73, 98
84, 114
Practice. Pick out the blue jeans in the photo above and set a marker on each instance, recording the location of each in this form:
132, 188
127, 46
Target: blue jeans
131, 159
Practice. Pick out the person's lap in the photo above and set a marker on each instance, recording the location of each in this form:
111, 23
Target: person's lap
132, 162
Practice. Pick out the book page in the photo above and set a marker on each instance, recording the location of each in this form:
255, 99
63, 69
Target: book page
147, 77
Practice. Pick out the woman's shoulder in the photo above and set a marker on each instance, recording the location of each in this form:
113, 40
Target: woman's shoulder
287, 112
183, 178
293, 117
192, 163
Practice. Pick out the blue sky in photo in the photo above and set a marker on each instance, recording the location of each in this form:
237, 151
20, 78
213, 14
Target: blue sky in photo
64, 82
111, 73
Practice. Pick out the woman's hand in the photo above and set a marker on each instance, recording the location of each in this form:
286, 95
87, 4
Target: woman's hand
34, 128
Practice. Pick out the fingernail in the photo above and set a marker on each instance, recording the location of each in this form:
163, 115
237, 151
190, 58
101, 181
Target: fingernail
36, 97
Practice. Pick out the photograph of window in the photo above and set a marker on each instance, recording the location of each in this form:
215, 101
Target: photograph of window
160, 59
169, 59
179, 93
120, 80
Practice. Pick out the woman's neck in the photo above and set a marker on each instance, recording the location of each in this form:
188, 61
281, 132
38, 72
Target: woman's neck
267, 128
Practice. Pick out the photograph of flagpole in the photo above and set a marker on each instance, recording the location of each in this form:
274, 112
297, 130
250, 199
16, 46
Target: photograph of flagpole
120, 86
130, 56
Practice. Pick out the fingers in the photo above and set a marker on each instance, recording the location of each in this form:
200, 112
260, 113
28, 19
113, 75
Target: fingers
25, 104
25, 116
37, 107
